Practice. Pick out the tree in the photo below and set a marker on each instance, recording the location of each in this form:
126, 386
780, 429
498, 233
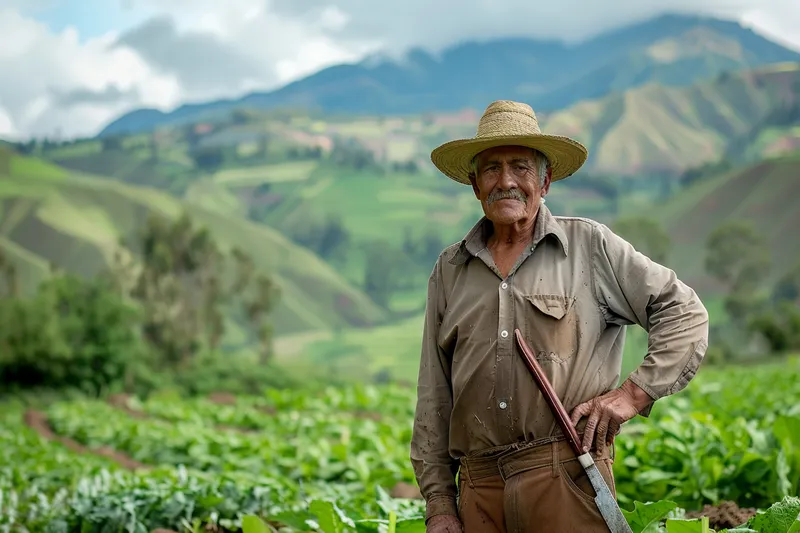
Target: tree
9, 281
646, 235
208, 158
378, 272
788, 287
739, 258
352, 154
74, 332
111, 143
5, 161
152, 146
737, 255
179, 283
329, 238
386, 269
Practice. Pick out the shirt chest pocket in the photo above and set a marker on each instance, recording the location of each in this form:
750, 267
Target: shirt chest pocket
550, 324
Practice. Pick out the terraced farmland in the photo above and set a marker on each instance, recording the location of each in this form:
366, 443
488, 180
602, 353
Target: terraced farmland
295, 458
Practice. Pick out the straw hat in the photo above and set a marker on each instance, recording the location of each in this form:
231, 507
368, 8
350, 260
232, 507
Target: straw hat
506, 123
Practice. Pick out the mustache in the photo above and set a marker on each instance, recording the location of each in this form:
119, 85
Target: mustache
513, 194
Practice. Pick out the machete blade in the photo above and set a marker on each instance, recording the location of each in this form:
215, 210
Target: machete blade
605, 500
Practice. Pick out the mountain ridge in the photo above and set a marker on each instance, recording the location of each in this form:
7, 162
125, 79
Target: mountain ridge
670, 49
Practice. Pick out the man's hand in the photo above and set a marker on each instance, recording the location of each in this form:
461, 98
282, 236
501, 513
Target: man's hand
444, 523
608, 412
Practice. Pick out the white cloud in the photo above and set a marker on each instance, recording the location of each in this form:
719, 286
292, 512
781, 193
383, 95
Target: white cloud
211, 51
436, 24
6, 125
38, 65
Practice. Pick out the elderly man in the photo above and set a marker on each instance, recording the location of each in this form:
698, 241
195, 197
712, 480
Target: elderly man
571, 286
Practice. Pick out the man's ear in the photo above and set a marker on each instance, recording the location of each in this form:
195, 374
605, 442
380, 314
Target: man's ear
474, 186
547, 181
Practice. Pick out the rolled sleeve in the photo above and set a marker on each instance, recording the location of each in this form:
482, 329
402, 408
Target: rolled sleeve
633, 289
434, 468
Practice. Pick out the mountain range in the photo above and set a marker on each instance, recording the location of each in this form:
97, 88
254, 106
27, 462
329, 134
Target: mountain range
670, 50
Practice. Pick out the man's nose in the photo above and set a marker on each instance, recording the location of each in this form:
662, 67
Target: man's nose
507, 180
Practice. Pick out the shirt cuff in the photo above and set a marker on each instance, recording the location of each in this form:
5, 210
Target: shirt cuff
637, 380
441, 504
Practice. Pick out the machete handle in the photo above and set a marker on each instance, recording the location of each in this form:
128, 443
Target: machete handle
550, 395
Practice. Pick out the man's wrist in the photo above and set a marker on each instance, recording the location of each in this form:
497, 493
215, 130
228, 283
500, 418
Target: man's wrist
440, 504
639, 397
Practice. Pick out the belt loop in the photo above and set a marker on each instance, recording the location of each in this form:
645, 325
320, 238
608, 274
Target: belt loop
556, 464
465, 472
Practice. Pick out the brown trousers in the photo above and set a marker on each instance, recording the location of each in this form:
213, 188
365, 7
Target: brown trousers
540, 488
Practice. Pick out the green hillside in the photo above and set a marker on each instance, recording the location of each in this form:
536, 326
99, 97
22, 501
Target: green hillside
659, 129
766, 194
74, 221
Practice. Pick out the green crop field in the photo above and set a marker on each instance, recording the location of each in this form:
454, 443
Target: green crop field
280, 172
288, 456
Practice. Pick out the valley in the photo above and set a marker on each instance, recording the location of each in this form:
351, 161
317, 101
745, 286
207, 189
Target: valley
345, 211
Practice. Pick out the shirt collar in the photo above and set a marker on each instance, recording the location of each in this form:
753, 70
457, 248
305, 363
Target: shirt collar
477, 237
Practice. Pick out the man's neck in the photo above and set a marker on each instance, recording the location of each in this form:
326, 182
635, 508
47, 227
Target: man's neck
506, 236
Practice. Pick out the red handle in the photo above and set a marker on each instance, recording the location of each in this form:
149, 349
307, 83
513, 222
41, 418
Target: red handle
550, 395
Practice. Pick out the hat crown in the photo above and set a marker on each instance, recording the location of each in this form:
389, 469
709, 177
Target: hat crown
506, 117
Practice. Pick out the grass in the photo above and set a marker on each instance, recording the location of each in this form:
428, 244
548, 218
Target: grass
374, 206
281, 172
358, 353
213, 196
75, 221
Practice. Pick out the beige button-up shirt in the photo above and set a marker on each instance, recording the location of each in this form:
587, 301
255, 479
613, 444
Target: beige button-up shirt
571, 294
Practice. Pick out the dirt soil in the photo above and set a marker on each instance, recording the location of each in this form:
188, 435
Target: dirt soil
37, 421
405, 490
120, 401
725, 515
222, 398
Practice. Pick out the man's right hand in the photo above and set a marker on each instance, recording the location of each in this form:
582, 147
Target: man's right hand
444, 523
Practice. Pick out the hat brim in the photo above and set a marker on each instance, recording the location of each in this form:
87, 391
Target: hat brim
565, 155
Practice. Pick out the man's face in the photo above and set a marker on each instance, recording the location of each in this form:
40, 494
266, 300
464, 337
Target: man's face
508, 185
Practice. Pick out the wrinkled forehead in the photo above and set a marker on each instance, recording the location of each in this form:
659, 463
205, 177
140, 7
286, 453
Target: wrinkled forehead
505, 153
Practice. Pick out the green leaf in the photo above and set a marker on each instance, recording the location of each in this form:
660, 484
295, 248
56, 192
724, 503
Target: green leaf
781, 517
688, 526
253, 524
412, 525
294, 519
646, 516
330, 518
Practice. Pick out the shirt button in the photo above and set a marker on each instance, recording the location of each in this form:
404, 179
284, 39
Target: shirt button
504, 285
503, 405
504, 334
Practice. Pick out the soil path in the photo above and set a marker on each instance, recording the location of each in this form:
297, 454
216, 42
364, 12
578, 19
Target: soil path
37, 421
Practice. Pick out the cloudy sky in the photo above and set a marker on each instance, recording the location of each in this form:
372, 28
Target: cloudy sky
68, 67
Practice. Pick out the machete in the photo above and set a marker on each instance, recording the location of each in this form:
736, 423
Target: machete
605, 501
